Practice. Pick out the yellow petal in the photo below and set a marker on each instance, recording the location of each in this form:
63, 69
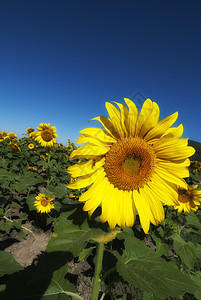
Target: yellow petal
98, 134
153, 204
130, 122
107, 124
143, 210
173, 149
174, 132
179, 170
83, 181
165, 192
85, 168
89, 151
97, 183
96, 197
115, 118
123, 117
171, 177
145, 112
151, 120
161, 127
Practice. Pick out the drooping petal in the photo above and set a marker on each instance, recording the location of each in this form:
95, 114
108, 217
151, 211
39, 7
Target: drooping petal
84, 181
89, 151
85, 168
97, 134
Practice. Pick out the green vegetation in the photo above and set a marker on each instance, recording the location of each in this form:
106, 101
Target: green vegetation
163, 264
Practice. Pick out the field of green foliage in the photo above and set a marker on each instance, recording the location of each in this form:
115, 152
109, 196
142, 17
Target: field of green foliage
164, 264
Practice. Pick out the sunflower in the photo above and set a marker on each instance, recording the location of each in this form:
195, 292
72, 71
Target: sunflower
30, 129
12, 135
46, 135
43, 203
3, 136
188, 199
133, 163
14, 147
34, 169
31, 146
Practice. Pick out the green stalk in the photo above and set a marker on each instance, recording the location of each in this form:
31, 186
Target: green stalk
98, 267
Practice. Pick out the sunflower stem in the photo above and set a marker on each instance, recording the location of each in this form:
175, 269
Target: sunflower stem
98, 266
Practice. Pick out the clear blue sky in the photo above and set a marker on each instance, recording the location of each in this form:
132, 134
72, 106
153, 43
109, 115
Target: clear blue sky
61, 60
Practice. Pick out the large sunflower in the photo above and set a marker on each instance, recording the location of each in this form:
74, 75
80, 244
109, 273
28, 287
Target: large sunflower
46, 135
133, 164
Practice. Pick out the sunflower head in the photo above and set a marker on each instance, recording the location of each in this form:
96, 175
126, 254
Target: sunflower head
46, 135
31, 146
133, 164
29, 130
14, 147
34, 169
188, 199
3, 135
12, 135
43, 203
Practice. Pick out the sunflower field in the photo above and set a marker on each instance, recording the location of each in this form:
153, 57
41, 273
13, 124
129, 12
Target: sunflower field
84, 258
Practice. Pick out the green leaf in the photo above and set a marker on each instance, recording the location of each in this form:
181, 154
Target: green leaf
30, 201
59, 191
185, 250
193, 220
70, 237
26, 180
148, 296
141, 266
59, 286
8, 264
197, 279
85, 253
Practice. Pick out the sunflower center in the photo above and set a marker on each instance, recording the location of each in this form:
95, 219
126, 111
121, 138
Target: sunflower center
184, 196
44, 202
46, 135
129, 164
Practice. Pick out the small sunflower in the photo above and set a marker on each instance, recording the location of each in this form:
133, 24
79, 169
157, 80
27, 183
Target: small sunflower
132, 164
43, 203
14, 147
12, 135
29, 130
31, 146
34, 169
69, 147
188, 199
3, 135
46, 135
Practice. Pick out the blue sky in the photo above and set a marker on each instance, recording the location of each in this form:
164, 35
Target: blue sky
62, 60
